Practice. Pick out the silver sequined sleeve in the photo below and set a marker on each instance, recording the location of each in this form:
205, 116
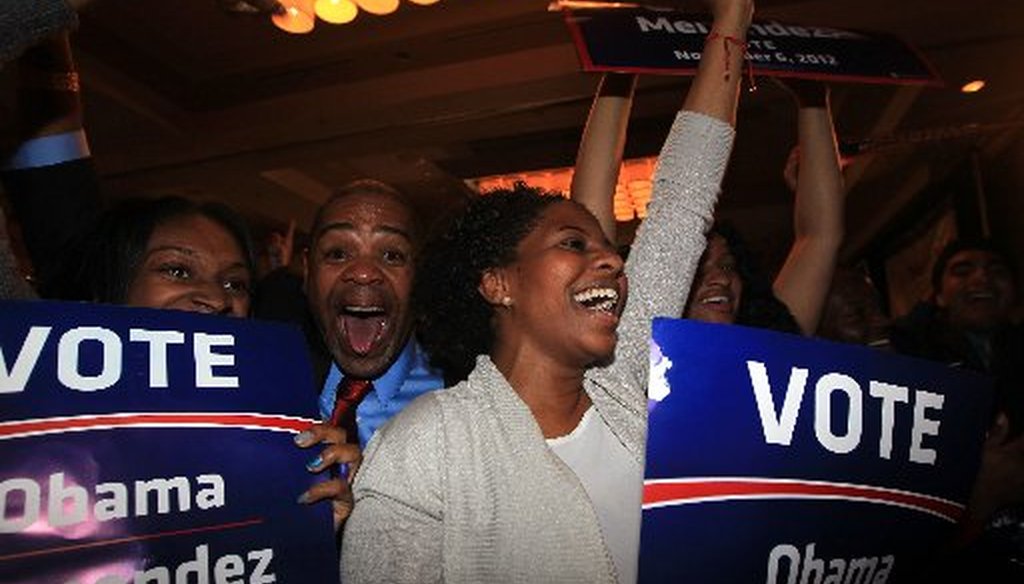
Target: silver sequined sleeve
671, 239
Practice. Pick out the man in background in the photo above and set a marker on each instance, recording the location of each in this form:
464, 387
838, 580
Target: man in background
969, 325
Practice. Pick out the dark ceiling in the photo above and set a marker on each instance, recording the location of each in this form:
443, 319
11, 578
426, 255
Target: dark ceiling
185, 98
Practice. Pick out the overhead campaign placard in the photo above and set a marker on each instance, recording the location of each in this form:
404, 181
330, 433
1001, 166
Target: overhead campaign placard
664, 42
154, 446
779, 459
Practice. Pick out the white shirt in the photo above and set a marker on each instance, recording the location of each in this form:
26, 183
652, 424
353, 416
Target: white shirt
613, 481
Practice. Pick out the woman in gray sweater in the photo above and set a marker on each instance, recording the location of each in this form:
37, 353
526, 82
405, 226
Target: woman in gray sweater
530, 470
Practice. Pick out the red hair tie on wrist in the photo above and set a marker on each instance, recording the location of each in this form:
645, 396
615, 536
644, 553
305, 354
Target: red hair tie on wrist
728, 40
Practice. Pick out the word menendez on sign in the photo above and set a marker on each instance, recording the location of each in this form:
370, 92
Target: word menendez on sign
662, 42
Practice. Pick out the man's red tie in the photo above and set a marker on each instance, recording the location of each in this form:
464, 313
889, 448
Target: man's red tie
350, 393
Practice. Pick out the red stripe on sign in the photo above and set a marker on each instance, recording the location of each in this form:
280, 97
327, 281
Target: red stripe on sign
25, 428
672, 492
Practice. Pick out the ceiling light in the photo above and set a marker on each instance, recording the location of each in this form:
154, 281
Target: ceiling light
973, 86
294, 16
632, 192
299, 16
336, 11
379, 7
558, 5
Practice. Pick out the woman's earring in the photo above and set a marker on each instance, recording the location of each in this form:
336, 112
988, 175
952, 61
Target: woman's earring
506, 301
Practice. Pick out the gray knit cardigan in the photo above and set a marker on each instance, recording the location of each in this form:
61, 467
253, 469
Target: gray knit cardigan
461, 486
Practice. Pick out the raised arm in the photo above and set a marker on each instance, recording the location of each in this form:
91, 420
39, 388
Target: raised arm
804, 280
687, 182
715, 89
49, 178
600, 154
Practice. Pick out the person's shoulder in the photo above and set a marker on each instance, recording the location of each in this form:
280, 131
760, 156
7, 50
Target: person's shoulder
425, 413
922, 317
924, 332
407, 438
422, 412
404, 459
1012, 339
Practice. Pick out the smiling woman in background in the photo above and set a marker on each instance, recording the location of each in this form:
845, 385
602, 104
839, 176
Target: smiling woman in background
166, 253
729, 287
162, 253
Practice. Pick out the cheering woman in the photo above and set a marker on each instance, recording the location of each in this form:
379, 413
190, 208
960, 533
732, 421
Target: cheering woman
531, 469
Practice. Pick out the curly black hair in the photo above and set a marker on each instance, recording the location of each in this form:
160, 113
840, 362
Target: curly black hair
758, 307
454, 320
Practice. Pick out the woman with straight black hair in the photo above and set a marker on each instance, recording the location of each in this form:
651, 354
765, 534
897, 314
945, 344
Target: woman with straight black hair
163, 253
168, 252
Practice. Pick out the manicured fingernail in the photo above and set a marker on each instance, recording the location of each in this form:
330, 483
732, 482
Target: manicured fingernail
343, 470
303, 498
303, 438
315, 463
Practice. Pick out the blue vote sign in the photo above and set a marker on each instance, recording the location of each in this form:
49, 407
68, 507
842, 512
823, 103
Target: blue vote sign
666, 42
153, 446
774, 458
